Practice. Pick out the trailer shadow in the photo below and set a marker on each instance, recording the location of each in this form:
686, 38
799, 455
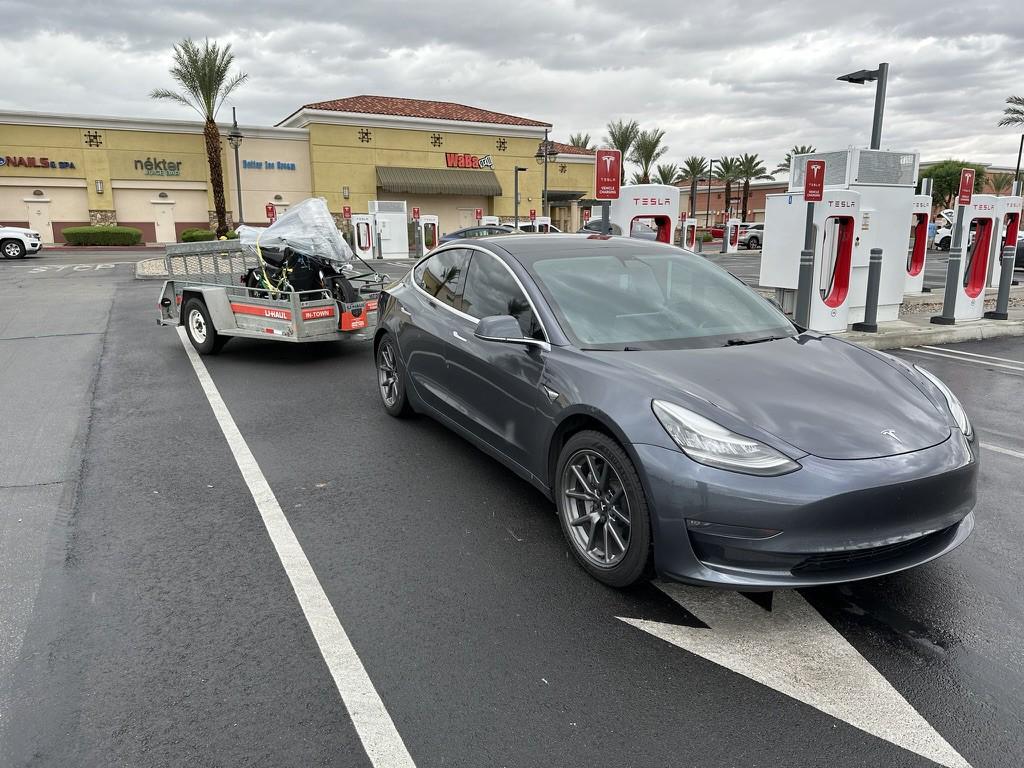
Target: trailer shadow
259, 351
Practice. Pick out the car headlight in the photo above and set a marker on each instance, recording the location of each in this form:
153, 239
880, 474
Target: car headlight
959, 414
709, 443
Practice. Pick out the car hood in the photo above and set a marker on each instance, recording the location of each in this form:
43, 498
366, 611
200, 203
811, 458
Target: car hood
823, 396
18, 231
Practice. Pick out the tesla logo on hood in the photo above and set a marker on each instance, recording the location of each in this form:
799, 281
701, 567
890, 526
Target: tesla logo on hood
891, 433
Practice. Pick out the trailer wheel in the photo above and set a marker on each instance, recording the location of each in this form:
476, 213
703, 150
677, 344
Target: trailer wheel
204, 337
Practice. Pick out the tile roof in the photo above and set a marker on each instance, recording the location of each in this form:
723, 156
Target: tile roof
431, 110
569, 149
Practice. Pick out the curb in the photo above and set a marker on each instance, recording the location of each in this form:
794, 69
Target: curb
949, 334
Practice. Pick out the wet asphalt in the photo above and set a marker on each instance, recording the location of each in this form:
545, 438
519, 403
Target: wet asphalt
148, 621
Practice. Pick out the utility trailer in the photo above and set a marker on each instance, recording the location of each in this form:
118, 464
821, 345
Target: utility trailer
206, 294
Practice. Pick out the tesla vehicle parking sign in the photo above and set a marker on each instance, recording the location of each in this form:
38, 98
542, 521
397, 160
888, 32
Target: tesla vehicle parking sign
608, 174
966, 186
272, 212
814, 181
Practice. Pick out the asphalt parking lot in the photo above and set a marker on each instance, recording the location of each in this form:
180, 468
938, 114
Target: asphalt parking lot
326, 585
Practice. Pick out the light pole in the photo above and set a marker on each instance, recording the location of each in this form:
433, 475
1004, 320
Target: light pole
519, 169
544, 154
881, 75
1016, 174
235, 140
707, 212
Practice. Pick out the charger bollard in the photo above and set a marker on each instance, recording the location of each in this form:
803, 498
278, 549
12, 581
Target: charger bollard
870, 324
949, 297
1005, 279
802, 313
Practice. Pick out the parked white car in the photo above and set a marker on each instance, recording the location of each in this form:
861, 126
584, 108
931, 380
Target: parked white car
15, 242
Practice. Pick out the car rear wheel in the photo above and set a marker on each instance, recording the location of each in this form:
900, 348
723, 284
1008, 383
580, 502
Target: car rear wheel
12, 249
753, 243
603, 510
943, 244
390, 379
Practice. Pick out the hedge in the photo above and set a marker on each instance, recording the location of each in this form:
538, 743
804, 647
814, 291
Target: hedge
197, 235
103, 235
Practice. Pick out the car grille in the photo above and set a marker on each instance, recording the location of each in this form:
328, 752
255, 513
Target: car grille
853, 557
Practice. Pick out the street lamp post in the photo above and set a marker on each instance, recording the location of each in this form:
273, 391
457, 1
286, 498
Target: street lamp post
1020, 149
707, 212
544, 154
235, 140
519, 169
881, 76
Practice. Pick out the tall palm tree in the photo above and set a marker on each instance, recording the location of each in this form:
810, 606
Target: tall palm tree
621, 136
727, 171
1014, 113
667, 174
204, 76
580, 140
694, 168
647, 150
750, 167
798, 149
1001, 182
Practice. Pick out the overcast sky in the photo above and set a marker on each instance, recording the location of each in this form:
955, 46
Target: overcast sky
720, 77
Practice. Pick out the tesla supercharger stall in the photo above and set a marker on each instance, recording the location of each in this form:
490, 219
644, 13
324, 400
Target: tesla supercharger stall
836, 222
362, 235
643, 208
1008, 213
978, 241
731, 236
920, 215
429, 236
690, 235
542, 224
490, 221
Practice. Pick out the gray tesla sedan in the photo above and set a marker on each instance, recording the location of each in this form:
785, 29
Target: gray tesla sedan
680, 423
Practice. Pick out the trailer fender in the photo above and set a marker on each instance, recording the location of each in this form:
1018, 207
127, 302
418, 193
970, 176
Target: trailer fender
217, 304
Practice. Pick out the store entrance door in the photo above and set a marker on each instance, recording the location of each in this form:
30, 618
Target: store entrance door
39, 218
163, 219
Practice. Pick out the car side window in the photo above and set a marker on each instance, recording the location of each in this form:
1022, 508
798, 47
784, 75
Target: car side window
443, 276
492, 290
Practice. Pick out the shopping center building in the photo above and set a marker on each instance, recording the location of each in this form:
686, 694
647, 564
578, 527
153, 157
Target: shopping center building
59, 171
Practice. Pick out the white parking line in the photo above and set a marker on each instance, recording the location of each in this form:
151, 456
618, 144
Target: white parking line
373, 724
1000, 449
958, 358
971, 354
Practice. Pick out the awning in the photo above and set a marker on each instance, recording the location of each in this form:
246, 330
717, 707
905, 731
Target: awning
564, 195
438, 181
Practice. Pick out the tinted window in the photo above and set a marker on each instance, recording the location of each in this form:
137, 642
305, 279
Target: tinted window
491, 290
443, 275
653, 299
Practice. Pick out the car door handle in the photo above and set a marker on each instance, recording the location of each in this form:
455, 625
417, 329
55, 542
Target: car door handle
459, 336
404, 311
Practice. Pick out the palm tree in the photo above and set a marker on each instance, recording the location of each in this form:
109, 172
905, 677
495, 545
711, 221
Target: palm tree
1000, 182
203, 73
667, 174
694, 168
647, 150
621, 136
1013, 114
727, 171
798, 149
580, 140
750, 167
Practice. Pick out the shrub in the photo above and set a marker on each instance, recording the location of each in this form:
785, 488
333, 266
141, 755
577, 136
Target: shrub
103, 236
197, 235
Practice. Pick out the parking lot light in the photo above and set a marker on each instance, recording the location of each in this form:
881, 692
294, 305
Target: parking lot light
881, 75
235, 140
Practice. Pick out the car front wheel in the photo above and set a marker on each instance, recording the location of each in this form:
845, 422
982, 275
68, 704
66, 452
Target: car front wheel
12, 249
603, 510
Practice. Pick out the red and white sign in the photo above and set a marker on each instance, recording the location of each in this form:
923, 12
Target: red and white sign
271, 212
966, 186
533, 214
317, 313
479, 213
814, 181
415, 213
463, 160
346, 211
607, 174
682, 216
258, 311
586, 215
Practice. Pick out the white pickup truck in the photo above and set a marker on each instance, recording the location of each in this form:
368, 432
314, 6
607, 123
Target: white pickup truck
15, 242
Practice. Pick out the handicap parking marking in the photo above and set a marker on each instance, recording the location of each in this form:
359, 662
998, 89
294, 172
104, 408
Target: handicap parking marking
373, 724
792, 649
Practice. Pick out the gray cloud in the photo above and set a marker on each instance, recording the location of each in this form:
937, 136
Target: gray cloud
735, 76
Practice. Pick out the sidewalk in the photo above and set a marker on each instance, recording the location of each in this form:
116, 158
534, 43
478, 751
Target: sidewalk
916, 329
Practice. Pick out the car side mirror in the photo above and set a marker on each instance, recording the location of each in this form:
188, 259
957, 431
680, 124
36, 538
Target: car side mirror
500, 328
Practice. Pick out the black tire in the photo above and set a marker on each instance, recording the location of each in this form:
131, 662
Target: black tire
944, 243
199, 328
753, 244
12, 249
634, 563
391, 378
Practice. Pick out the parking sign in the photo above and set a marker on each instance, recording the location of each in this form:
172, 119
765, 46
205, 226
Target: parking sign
533, 214
607, 174
966, 186
271, 212
346, 211
479, 213
416, 213
814, 181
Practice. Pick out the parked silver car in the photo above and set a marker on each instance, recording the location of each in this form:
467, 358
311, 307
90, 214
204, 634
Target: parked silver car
751, 236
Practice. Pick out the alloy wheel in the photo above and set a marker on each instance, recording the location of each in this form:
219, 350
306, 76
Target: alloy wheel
594, 504
387, 374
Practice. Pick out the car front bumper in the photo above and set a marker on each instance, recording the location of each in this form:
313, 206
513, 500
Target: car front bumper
828, 522
33, 246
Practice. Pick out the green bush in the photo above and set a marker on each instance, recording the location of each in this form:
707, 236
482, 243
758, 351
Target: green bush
103, 236
197, 235
706, 237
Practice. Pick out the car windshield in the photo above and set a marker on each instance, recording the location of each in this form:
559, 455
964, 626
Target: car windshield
654, 299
